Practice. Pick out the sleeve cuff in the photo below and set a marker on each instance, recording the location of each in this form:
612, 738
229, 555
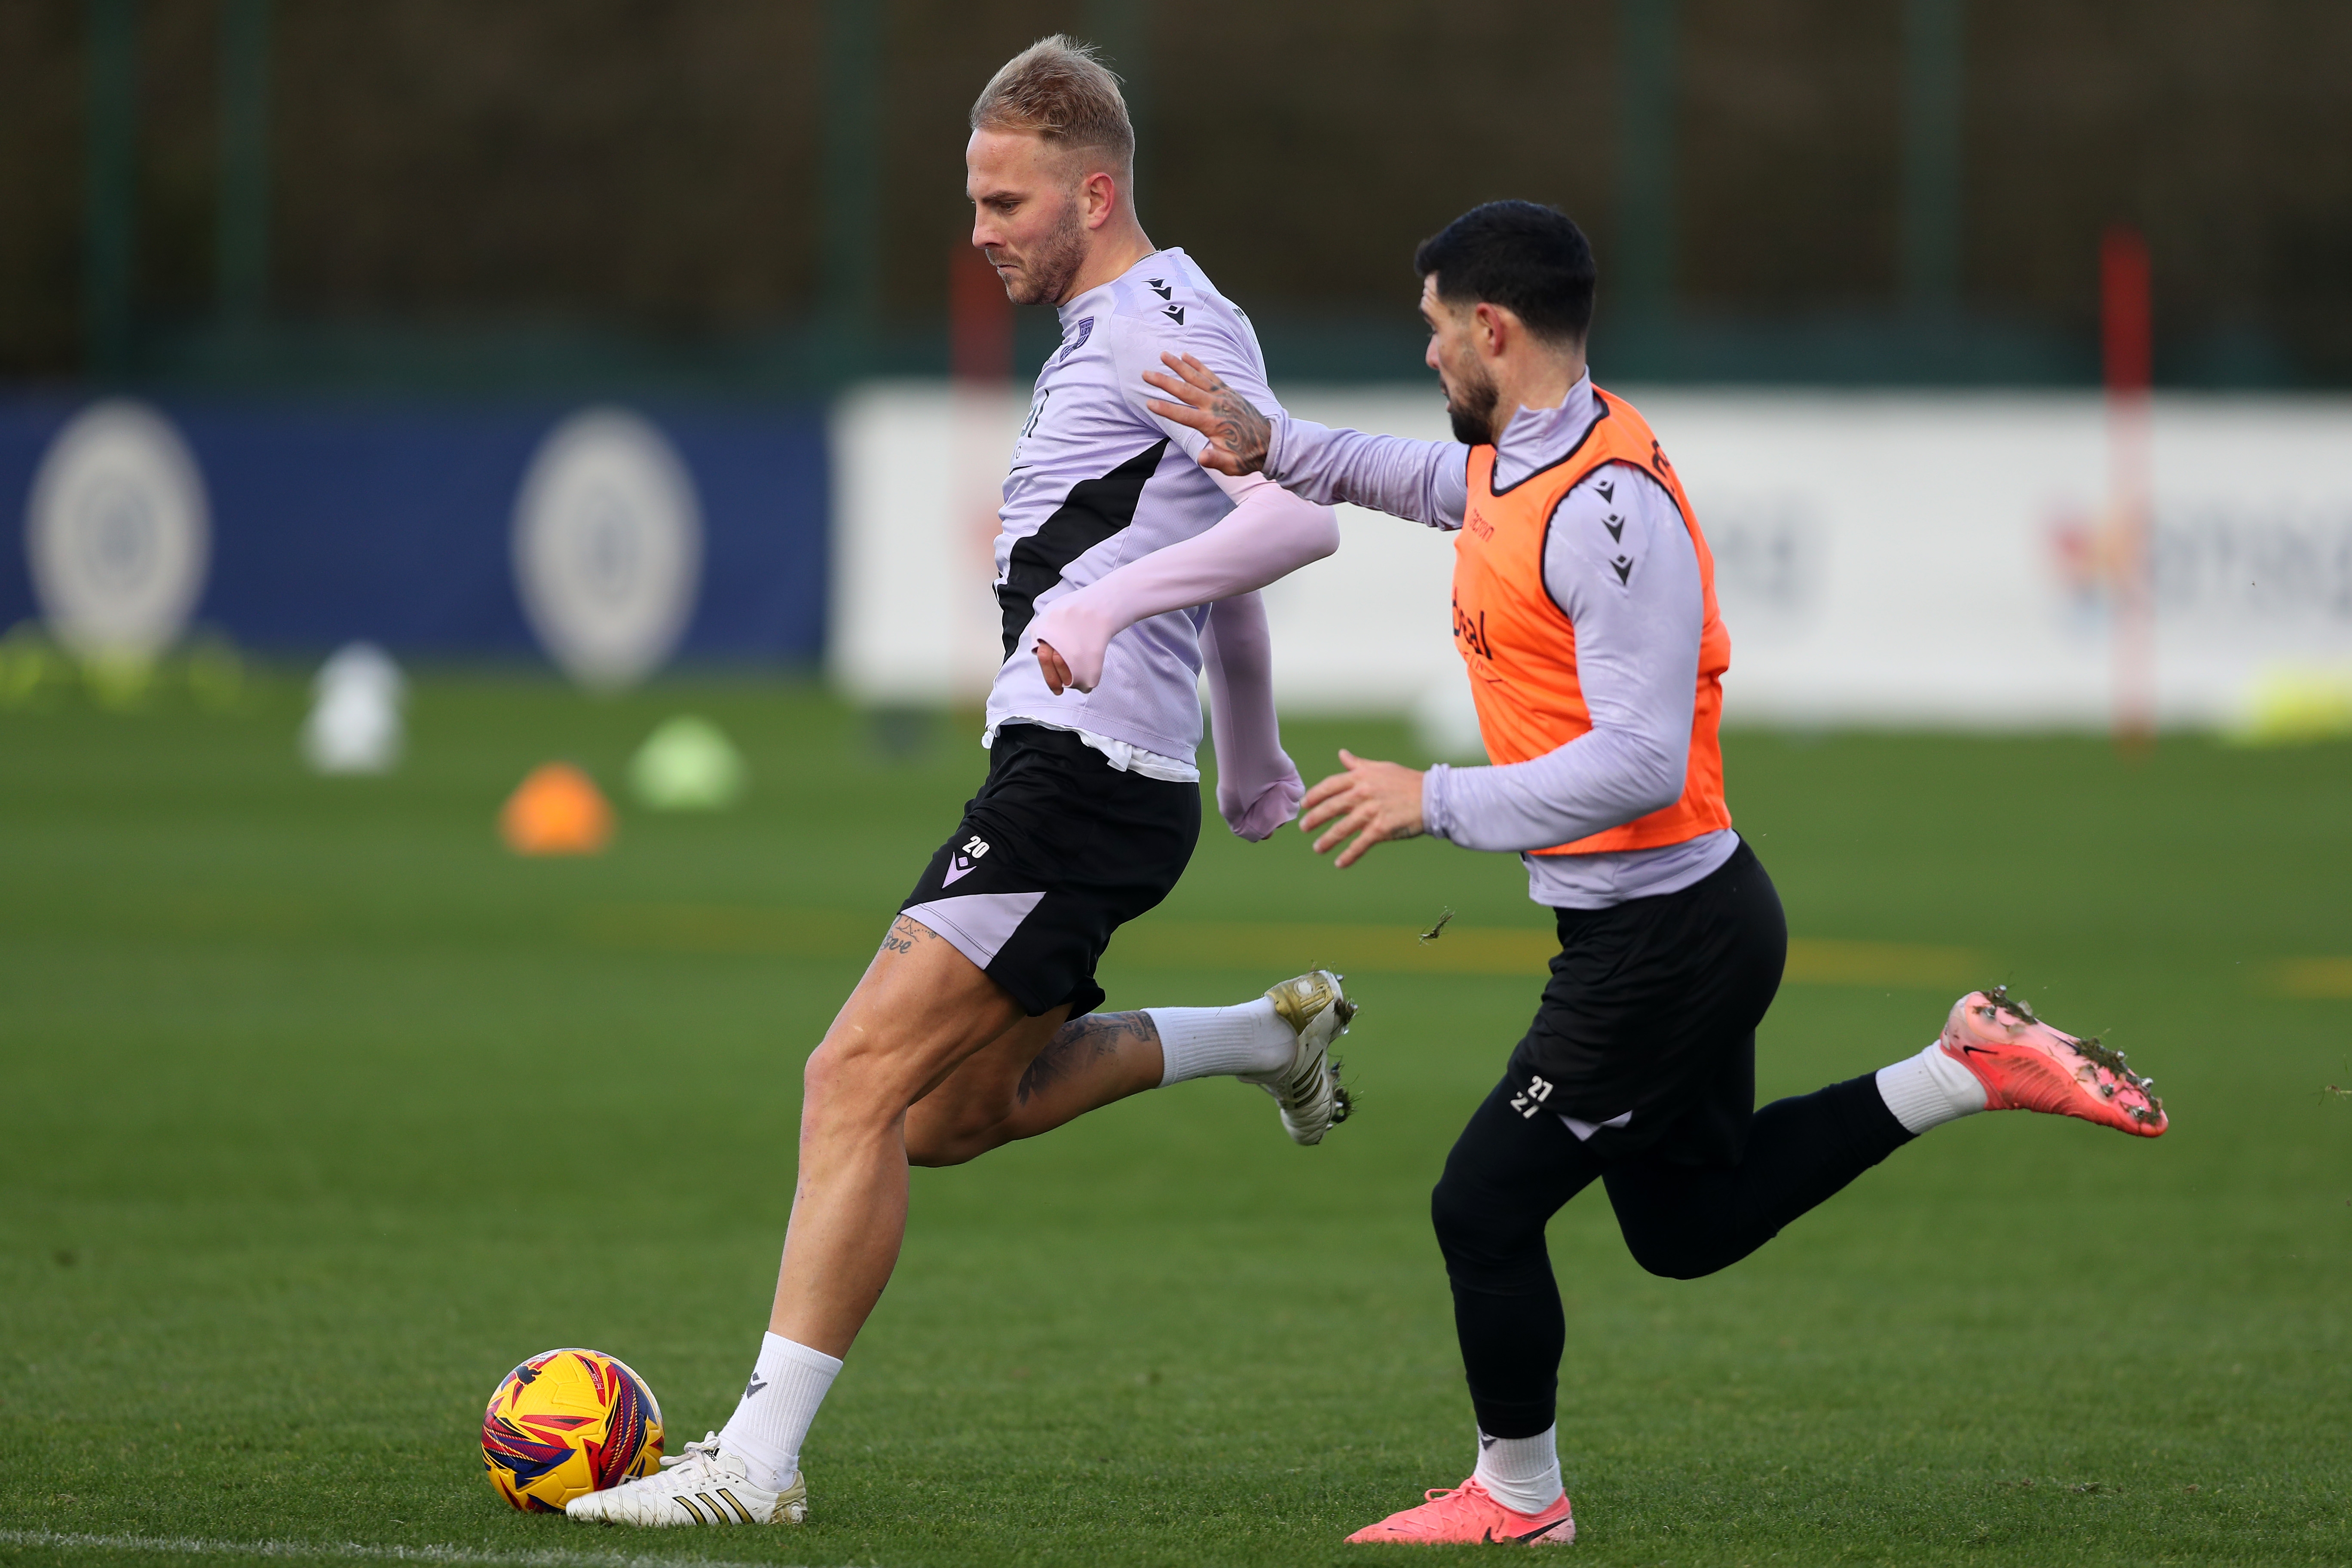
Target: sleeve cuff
1433, 802
1278, 426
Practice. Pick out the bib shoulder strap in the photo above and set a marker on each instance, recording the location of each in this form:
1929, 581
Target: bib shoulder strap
1482, 469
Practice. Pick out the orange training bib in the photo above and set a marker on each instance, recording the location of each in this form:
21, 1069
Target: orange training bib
1521, 646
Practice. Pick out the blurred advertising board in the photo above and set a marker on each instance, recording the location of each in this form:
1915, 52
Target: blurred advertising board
607, 539
1891, 559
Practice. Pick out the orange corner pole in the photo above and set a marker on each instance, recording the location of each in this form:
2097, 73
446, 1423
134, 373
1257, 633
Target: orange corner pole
979, 359
2126, 336
979, 320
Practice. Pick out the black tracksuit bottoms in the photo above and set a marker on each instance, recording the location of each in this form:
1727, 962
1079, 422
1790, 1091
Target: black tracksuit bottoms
1639, 1069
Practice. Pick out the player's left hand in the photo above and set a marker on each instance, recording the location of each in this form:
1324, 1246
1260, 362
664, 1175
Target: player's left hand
1370, 802
1255, 808
1072, 636
1057, 669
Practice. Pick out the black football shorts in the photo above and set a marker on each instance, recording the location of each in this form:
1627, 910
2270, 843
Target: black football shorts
1056, 851
1646, 1039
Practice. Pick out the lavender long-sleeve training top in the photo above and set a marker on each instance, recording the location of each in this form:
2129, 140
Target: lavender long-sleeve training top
1097, 479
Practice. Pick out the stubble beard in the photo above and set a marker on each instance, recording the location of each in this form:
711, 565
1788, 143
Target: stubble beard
1046, 274
1470, 409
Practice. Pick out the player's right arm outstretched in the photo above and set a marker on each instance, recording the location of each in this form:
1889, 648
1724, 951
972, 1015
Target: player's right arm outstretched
1420, 481
1267, 535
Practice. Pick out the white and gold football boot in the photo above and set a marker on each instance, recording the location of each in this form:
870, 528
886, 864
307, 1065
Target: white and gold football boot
1308, 1087
705, 1485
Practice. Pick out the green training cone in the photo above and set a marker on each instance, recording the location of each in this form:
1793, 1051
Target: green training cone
687, 763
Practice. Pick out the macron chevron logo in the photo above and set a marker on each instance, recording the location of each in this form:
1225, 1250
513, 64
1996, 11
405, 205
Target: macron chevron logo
966, 861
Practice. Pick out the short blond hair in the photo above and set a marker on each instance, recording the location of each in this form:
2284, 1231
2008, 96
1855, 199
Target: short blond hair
1059, 91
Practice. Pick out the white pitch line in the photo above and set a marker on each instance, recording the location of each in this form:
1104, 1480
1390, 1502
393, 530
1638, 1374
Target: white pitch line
191, 1546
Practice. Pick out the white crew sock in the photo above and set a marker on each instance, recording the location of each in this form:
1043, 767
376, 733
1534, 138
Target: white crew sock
773, 1420
1202, 1042
1521, 1473
1929, 1089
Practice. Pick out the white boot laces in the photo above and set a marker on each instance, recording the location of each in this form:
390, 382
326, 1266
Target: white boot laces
702, 1453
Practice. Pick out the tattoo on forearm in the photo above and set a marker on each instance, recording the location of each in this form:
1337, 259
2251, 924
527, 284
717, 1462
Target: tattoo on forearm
1081, 1041
905, 933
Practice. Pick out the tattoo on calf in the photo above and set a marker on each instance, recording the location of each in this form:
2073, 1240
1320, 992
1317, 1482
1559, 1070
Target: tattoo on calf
1080, 1041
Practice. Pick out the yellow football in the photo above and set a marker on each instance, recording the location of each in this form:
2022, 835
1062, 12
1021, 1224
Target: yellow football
566, 1423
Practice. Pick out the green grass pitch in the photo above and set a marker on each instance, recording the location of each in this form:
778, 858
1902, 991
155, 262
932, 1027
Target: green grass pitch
318, 1111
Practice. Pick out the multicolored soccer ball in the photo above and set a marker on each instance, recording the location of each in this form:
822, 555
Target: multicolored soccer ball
566, 1423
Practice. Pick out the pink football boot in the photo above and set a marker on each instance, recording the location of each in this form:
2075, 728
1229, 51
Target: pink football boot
2026, 1064
1466, 1515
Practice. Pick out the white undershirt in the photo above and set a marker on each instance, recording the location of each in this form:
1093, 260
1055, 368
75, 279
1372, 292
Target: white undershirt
1127, 758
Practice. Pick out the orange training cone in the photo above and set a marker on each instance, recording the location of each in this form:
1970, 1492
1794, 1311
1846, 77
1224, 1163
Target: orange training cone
558, 810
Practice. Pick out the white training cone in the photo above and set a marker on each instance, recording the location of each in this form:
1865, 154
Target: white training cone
1446, 721
355, 715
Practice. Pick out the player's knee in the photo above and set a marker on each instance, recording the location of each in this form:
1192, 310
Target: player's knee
1485, 1246
820, 1078
1448, 1215
841, 1084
